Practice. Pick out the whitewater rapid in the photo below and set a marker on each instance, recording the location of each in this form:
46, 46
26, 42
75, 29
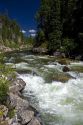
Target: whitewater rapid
58, 103
63, 100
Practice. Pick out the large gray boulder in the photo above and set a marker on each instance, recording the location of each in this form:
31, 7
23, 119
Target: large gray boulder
17, 102
26, 116
17, 86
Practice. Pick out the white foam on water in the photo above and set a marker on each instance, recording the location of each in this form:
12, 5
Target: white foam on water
9, 64
55, 66
65, 100
75, 74
21, 65
43, 57
80, 63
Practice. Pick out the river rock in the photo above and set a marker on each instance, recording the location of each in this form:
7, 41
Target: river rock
3, 112
4, 122
26, 116
62, 77
16, 124
17, 86
40, 50
66, 69
17, 102
63, 61
34, 121
59, 54
20, 82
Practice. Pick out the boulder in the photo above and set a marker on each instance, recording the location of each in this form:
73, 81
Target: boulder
59, 54
17, 102
34, 121
3, 112
23, 113
19, 82
17, 86
64, 61
26, 116
4, 122
66, 69
62, 77
13, 121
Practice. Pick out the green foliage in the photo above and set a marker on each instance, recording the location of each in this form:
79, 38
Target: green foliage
40, 37
49, 17
5, 73
1, 113
67, 45
3, 89
29, 42
10, 32
11, 113
61, 23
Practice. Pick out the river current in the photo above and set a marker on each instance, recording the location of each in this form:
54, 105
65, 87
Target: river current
58, 103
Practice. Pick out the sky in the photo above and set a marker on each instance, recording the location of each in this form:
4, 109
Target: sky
23, 11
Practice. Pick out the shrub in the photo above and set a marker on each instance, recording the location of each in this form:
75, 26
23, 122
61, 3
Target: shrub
11, 113
6, 72
4, 87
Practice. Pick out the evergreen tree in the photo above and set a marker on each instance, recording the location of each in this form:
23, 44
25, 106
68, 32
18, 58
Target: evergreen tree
56, 21
55, 26
10, 31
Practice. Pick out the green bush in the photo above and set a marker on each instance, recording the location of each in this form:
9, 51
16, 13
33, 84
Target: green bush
11, 113
4, 87
6, 73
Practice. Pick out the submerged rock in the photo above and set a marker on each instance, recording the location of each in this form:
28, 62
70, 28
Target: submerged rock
63, 61
62, 77
77, 68
56, 76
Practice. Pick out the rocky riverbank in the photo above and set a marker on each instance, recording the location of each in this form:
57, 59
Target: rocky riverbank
9, 49
17, 110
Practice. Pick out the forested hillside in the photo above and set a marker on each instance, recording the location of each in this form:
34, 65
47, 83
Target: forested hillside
60, 25
10, 32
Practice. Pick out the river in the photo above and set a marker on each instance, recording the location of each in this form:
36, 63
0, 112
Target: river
59, 103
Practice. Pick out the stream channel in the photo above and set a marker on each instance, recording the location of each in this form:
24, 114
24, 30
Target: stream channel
59, 102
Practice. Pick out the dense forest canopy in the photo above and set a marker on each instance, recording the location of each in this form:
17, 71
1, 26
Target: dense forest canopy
60, 24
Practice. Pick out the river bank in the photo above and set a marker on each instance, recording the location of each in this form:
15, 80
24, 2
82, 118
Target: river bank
4, 49
18, 110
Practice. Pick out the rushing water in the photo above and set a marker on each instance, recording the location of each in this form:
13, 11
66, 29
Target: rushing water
58, 103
